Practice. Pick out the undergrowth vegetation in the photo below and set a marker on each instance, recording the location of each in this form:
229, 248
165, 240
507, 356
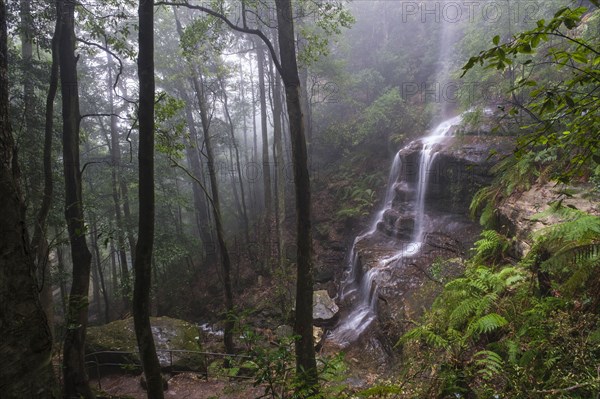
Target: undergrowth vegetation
526, 330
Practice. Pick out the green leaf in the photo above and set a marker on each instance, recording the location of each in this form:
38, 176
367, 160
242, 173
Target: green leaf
579, 57
569, 102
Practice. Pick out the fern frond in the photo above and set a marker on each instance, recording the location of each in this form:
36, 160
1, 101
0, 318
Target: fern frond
423, 333
490, 246
490, 363
581, 276
513, 350
464, 311
486, 324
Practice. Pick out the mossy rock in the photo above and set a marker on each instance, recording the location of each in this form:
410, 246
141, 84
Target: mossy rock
169, 335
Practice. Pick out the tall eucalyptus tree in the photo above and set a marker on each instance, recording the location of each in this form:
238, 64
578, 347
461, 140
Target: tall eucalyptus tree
75, 377
145, 242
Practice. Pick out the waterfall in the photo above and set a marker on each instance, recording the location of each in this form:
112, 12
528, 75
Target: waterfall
360, 288
426, 161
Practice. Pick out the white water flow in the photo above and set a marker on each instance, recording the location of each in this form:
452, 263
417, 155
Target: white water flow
362, 285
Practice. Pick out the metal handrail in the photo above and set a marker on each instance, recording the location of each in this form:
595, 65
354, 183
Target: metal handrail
170, 366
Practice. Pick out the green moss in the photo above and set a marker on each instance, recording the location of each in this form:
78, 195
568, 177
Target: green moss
120, 335
168, 333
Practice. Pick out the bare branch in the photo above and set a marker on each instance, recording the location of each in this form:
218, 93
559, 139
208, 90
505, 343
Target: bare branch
233, 26
109, 52
101, 114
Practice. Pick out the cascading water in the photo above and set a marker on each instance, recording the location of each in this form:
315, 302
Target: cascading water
361, 287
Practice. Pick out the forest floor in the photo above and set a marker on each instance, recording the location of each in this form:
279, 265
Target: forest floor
181, 386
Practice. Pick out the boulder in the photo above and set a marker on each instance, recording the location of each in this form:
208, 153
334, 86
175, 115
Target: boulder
284, 331
113, 346
325, 310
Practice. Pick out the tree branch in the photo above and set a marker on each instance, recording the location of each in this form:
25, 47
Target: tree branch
101, 114
560, 390
233, 26
109, 52
194, 178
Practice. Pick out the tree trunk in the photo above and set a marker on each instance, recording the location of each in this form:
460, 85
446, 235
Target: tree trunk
39, 243
101, 279
75, 376
305, 351
200, 200
97, 275
113, 268
127, 218
266, 170
115, 149
26, 344
201, 197
216, 206
60, 265
237, 163
255, 205
305, 103
279, 165
143, 256
95, 302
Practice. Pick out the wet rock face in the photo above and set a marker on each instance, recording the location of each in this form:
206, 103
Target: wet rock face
515, 215
459, 168
407, 285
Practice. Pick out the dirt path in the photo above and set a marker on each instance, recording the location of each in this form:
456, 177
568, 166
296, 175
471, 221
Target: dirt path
181, 386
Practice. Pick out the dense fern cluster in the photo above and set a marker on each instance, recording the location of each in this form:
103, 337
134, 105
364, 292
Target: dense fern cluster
495, 332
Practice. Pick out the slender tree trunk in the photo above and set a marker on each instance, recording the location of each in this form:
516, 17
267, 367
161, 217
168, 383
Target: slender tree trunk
75, 376
127, 218
305, 103
305, 351
215, 202
216, 205
244, 113
200, 200
60, 264
101, 279
98, 278
179, 212
143, 256
255, 206
96, 301
115, 175
26, 343
266, 169
113, 268
279, 164
234, 186
39, 244
237, 163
